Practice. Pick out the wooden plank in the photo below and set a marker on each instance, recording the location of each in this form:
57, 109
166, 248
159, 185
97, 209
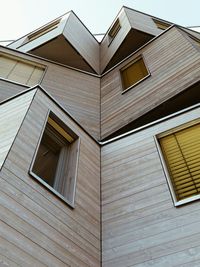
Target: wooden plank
4, 261
15, 254
43, 236
174, 65
12, 115
8, 89
84, 42
77, 92
31, 248
52, 214
140, 225
71, 236
107, 49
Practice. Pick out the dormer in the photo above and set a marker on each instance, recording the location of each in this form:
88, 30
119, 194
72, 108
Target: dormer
61, 41
129, 31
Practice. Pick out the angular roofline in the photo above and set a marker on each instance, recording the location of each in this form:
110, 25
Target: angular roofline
176, 26
85, 27
99, 43
40, 28
50, 61
184, 29
111, 24
138, 11
141, 47
123, 7
141, 12
46, 24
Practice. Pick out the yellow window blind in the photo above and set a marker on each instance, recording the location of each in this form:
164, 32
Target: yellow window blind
133, 73
20, 71
181, 152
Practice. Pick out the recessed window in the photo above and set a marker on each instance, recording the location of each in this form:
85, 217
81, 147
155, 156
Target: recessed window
181, 154
133, 73
21, 71
44, 30
114, 30
161, 24
56, 160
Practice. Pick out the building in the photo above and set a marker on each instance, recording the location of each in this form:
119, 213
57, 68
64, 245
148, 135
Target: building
100, 143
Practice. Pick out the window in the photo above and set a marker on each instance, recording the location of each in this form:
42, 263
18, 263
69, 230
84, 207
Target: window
114, 30
44, 30
161, 24
56, 159
181, 154
133, 73
21, 71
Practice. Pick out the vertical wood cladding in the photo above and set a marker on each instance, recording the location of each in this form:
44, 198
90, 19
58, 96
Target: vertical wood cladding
141, 227
174, 65
37, 228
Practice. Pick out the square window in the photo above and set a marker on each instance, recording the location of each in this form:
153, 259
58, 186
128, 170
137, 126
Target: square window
181, 155
133, 73
44, 30
56, 159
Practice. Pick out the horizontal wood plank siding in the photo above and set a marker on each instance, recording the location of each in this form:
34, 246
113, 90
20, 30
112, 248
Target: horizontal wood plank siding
77, 92
174, 65
8, 89
12, 115
82, 40
35, 221
140, 225
142, 22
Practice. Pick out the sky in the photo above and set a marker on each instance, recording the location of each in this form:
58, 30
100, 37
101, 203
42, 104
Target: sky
20, 17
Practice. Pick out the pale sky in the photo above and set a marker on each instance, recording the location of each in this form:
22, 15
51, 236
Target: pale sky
19, 17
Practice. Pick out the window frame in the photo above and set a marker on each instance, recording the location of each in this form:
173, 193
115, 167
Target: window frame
42, 31
125, 66
175, 129
39, 179
25, 61
161, 25
118, 27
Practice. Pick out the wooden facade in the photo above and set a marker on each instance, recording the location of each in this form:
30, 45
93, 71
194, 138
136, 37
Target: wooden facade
141, 226
172, 68
77, 91
39, 227
110, 200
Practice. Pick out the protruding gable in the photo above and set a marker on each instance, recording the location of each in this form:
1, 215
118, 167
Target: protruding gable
62, 42
135, 29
